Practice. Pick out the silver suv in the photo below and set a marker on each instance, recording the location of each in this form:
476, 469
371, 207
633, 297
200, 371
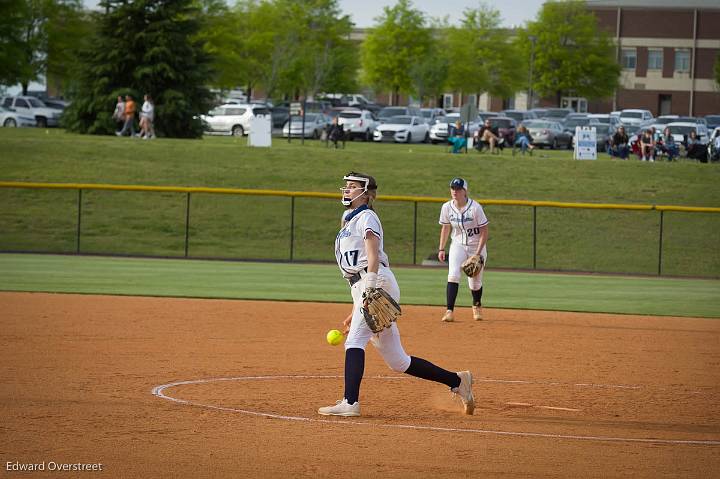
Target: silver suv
32, 107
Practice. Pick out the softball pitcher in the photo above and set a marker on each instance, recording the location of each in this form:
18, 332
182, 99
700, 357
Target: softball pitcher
362, 260
469, 225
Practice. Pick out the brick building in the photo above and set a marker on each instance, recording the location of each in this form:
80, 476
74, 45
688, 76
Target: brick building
667, 50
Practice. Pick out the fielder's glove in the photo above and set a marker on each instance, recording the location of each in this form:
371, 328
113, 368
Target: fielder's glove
473, 265
379, 309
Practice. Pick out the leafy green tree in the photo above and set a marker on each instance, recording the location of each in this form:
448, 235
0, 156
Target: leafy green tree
68, 29
11, 48
572, 55
144, 46
398, 41
483, 59
429, 74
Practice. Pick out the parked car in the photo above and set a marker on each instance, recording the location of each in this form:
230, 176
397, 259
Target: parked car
681, 130
358, 123
56, 103
539, 112
557, 114
392, 111
433, 115
29, 106
280, 115
403, 129
483, 115
12, 119
315, 124
519, 115
634, 117
548, 133
713, 121
603, 131
232, 119
612, 121
713, 149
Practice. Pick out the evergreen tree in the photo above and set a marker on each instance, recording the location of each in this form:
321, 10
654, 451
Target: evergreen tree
144, 46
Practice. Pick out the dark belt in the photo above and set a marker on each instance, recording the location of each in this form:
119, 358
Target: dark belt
356, 277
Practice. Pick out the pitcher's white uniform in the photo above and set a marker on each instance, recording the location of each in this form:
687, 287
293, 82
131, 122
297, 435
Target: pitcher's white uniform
466, 224
351, 257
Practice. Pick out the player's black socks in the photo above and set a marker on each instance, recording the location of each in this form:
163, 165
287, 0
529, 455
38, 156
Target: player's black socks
477, 296
354, 369
452, 292
420, 368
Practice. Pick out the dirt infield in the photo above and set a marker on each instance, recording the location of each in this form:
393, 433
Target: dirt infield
558, 394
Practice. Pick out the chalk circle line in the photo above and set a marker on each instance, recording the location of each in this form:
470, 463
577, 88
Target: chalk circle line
159, 391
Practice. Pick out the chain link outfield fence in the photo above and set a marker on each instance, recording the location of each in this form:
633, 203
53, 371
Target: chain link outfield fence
301, 226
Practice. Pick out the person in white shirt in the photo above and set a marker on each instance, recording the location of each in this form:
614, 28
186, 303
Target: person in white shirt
147, 116
360, 254
465, 218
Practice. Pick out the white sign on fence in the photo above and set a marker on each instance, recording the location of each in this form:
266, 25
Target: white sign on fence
260, 131
585, 143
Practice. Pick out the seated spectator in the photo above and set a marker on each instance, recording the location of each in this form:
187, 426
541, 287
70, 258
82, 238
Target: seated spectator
714, 149
523, 140
695, 149
647, 146
668, 145
619, 144
457, 137
487, 137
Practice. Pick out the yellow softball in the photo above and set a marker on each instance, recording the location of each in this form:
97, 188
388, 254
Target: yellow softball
334, 337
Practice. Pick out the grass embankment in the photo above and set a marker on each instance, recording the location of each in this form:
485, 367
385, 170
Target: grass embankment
258, 227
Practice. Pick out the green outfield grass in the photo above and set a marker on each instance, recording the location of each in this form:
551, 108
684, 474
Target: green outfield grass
313, 282
258, 227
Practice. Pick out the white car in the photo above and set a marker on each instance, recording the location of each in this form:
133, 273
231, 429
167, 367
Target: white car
315, 124
358, 123
680, 130
12, 119
231, 119
29, 106
634, 117
403, 129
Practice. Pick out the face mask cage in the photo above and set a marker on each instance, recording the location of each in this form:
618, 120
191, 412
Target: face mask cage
346, 199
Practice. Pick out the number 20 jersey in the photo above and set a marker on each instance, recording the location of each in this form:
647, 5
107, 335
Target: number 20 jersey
350, 242
466, 223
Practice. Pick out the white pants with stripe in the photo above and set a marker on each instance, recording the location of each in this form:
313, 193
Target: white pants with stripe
387, 342
457, 255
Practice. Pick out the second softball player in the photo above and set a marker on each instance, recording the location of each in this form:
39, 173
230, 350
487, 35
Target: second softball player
469, 225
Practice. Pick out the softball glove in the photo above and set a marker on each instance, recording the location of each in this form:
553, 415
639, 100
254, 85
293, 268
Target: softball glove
379, 309
473, 265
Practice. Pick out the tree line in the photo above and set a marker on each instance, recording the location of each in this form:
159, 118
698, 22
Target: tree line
178, 49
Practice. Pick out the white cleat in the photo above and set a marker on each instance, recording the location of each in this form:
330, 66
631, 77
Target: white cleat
448, 317
465, 391
341, 408
477, 313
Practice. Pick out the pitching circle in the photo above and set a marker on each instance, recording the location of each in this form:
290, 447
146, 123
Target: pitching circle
159, 391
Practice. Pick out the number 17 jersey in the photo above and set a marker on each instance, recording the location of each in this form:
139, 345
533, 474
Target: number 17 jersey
350, 250
465, 222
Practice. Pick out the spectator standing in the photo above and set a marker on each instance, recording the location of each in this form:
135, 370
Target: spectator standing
523, 140
336, 132
619, 144
147, 116
647, 146
129, 125
119, 113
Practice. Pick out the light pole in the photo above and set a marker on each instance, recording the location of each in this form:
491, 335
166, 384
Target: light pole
532, 39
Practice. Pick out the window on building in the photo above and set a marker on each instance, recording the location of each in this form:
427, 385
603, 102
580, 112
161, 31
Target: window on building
682, 61
628, 58
655, 59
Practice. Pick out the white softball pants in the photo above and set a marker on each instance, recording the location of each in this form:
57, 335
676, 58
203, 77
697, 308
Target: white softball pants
458, 254
387, 342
